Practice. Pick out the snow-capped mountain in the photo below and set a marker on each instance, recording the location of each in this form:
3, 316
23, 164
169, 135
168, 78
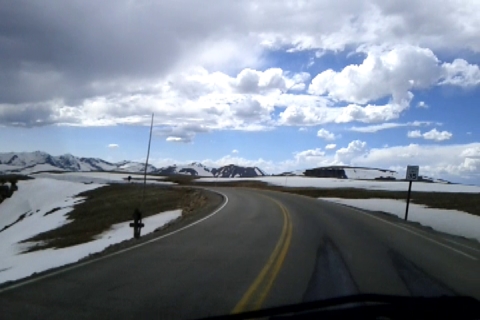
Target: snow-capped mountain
31, 162
38, 161
129, 166
194, 169
232, 171
198, 169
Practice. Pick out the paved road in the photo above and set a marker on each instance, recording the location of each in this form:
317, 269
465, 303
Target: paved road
262, 249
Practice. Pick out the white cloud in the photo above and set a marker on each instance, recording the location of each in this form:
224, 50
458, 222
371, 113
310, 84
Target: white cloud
389, 125
326, 135
106, 66
437, 135
472, 152
113, 146
414, 134
180, 133
253, 81
384, 72
422, 105
311, 157
303, 129
310, 110
246, 101
461, 73
178, 139
354, 149
234, 151
392, 71
433, 134
330, 146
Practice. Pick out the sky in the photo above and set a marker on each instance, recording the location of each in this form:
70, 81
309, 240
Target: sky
282, 85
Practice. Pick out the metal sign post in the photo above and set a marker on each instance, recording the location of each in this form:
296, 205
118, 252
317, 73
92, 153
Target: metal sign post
412, 174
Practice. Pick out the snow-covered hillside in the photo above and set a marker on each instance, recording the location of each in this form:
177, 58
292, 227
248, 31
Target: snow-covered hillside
332, 183
40, 205
233, 171
198, 169
346, 172
38, 161
370, 173
194, 169
128, 166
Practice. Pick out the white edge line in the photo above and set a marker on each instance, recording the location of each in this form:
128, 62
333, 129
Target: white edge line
411, 231
463, 245
82, 264
449, 240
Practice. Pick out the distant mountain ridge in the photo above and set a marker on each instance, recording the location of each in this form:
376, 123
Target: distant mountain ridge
198, 169
38, 161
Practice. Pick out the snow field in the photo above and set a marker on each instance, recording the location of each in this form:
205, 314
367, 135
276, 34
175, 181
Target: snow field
449, 221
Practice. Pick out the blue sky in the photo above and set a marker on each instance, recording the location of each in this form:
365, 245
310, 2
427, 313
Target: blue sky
274, 93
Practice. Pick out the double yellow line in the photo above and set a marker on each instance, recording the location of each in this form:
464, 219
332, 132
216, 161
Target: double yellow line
258, 291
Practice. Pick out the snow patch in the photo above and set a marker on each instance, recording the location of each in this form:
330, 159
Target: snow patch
102, 177
16, 266
449, 221
332, 183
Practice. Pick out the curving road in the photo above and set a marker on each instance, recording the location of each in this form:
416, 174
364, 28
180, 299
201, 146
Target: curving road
260, 249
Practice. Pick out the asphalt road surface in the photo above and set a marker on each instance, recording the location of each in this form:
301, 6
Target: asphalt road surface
261, 249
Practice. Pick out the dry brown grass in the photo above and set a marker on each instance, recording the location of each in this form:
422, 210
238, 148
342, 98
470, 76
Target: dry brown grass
112, 204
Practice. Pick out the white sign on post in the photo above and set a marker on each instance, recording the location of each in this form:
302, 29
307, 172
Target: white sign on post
412, 173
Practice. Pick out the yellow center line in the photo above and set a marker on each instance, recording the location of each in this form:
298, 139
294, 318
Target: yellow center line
264, 281
278, 265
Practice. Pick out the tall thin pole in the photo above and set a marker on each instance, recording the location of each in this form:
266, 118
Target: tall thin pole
408, 199
146, 162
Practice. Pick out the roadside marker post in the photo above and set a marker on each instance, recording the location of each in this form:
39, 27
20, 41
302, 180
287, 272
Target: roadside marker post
137, 224
412, 175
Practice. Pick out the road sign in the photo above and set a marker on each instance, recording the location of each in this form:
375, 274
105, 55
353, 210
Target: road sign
412, 173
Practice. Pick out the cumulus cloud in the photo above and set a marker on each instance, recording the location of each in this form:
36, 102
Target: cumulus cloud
253, 81
234, 151
414, 134
181, 133
312, 156
311, 110
433, 134
384, 72
389, 125
354, 149
437, 135
330, 146
113, 146
393, 72
326, 135
123, 71
472, 152
461, 73
198, 77
422, 104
